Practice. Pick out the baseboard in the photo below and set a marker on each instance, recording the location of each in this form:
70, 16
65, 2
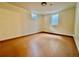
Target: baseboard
76, 41
17, 36
57, 34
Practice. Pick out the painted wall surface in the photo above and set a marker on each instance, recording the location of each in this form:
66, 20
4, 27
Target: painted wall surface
77, 26
66, 22
15, 21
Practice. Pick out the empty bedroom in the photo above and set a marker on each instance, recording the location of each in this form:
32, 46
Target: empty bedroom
39, 29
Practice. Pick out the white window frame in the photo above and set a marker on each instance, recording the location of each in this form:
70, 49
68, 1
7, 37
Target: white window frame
55, 22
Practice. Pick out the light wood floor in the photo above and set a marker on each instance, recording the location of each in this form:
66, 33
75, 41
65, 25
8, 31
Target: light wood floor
41, 44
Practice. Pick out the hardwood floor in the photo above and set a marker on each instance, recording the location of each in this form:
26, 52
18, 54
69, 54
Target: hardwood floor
41, 44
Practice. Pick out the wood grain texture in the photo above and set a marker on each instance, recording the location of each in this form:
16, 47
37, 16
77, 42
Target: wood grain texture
40, 44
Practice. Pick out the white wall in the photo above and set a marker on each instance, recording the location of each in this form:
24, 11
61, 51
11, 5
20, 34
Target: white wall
77, 26
66, 22
15, 21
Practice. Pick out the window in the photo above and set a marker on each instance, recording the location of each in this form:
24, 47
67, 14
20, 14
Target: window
55, 19
34, 16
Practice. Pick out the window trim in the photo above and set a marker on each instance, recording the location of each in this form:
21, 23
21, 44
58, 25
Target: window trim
52, 19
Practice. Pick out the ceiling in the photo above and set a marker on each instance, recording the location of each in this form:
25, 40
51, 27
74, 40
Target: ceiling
51, 7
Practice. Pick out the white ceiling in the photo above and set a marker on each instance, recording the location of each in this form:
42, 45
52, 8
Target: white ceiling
38, 8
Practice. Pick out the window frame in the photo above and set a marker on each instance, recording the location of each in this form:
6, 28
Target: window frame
33, 15
52, 19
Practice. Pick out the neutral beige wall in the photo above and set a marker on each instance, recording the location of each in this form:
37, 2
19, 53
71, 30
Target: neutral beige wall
15, 21
66, 22
77, 25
